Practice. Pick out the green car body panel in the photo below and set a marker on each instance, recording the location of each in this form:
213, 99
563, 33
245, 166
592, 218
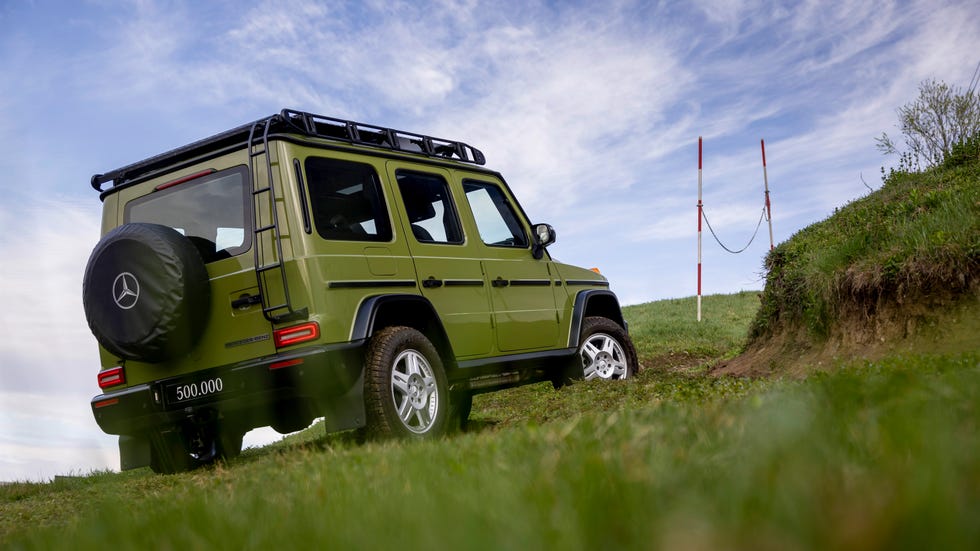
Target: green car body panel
357, 238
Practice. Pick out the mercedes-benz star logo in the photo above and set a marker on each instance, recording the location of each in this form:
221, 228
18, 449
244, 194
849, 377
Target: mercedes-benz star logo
125, 290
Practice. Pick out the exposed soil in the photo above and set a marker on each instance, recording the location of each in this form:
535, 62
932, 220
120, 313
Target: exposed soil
679, 362
931, 322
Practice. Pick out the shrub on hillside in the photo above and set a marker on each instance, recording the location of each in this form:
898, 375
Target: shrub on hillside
942, 117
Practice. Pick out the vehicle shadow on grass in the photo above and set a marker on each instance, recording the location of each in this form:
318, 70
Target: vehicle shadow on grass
314, 439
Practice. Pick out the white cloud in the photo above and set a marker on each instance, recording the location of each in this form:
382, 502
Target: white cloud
45, 245
48, 358
47, 433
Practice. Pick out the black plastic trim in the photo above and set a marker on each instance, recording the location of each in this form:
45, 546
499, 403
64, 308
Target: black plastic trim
371, 283
463, 283
144, 407
530, 283
589, 282
578, 313
363, 327
517, 358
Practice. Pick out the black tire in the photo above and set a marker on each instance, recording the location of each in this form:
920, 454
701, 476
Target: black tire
230, 443
178, 450
291, 417
405, 394
168, 453
146, 293
605, 352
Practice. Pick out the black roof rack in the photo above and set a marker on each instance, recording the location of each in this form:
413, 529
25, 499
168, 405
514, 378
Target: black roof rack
307, 124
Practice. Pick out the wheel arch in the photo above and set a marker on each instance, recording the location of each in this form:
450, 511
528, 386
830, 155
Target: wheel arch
380, 311
594, 302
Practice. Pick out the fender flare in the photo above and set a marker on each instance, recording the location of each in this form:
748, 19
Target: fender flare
582, 300
418, 309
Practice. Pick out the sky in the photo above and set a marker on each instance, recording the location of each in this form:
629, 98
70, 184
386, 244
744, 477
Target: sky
591, 110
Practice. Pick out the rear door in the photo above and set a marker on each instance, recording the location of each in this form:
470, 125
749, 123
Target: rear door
214, 212
450, 274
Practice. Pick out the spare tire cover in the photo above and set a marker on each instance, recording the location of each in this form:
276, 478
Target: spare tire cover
146, 293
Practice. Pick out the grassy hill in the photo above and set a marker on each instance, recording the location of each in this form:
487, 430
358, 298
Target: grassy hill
897, 271
875, 455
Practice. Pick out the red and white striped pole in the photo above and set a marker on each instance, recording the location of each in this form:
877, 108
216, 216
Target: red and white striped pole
699, 228
765, 178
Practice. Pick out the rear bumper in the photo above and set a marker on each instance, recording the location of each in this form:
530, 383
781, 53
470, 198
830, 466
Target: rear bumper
326, 379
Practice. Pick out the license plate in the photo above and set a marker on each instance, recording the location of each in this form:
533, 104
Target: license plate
193, 390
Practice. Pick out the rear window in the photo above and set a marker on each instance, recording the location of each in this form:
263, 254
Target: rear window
210, 211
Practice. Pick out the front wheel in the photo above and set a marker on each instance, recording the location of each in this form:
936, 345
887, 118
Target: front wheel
405, 392
605, 351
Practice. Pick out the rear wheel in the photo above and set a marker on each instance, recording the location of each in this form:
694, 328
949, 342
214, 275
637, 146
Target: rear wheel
405, 391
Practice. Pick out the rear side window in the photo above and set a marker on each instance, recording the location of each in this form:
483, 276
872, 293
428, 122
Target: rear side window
211, 211
346, 200
429, 206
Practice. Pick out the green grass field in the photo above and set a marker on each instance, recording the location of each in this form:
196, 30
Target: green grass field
872, 456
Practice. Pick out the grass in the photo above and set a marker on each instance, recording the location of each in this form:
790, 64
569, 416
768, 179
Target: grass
876, 455
671, 327
916, 237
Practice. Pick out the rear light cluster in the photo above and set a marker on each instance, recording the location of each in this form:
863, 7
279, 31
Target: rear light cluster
296, 334
112, 377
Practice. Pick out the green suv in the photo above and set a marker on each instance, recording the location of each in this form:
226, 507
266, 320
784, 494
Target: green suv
302, 266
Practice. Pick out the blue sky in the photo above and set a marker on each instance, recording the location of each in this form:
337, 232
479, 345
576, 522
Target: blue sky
591, 111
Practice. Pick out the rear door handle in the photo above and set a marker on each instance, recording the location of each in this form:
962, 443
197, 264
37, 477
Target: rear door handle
500, 282
245, 301
432, 283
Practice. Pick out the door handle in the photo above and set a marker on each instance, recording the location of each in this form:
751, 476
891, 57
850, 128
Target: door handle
245, 301
432, 283
500, 282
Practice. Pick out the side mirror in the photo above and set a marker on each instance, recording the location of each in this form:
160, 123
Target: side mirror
544, 235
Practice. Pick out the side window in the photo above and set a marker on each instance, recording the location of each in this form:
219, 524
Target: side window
429, 207
212, 212
495, 217
346, 200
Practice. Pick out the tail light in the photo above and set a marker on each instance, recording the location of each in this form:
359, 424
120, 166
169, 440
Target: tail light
112, 377
296, 334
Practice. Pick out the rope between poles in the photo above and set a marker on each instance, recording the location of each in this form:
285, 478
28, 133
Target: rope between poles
755, 233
